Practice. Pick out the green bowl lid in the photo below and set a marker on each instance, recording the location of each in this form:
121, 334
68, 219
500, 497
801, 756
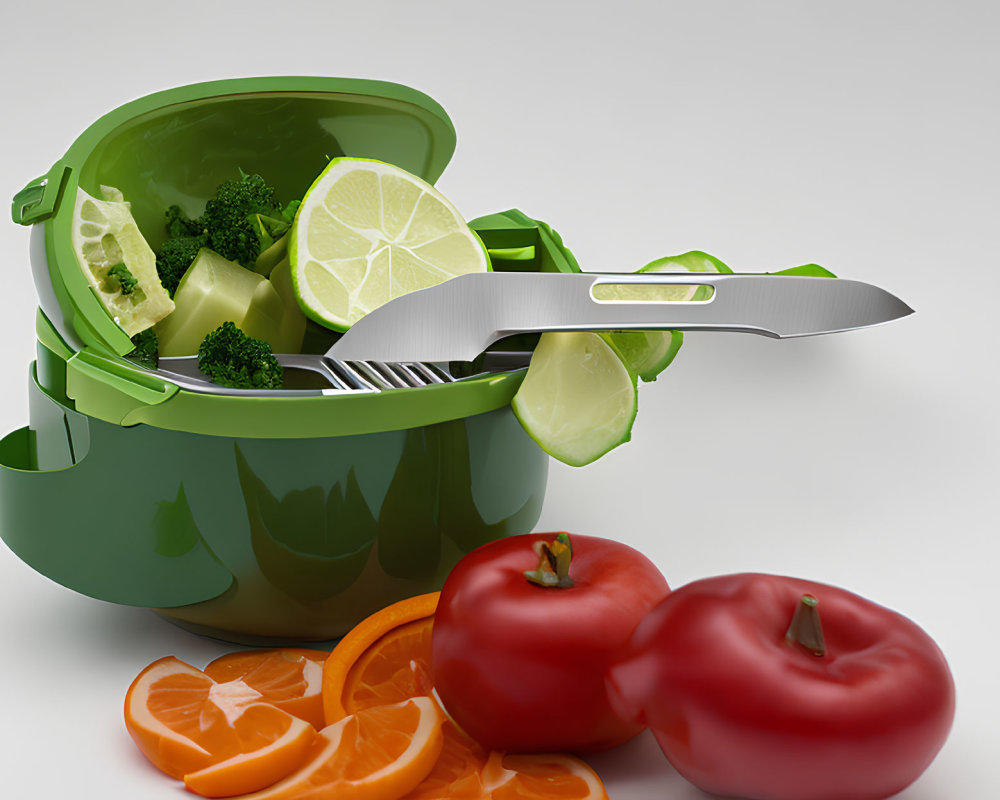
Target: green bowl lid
176, 147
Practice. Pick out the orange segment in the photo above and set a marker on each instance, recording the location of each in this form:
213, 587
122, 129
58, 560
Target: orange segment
218, 735
386, 659
162, 715
541, 777
290, 678
262, 763
465, 771
396, 667
380, 753
457, 774
365, 669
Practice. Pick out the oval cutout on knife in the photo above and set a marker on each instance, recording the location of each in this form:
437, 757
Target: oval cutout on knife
651, 292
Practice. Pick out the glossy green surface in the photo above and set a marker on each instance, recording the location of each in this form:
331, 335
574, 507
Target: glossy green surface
254, 519
255, 539
177, 146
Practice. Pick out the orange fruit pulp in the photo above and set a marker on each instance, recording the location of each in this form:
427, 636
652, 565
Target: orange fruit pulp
383, 659
379, 753
386, 658
289, 678
218, 736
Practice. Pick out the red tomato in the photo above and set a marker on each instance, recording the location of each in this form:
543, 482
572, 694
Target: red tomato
521, 666
741, 708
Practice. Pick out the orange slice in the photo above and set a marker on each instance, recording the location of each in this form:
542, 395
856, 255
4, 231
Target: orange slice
465, 771
540, 777
217, 735
457, 774
290, 678
385, 658
380, 753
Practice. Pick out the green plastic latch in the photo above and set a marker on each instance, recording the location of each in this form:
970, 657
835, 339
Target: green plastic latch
38, 200
518, 243
110, 389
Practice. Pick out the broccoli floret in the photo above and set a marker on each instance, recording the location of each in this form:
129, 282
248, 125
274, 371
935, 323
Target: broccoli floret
231, 358
126, 280
180, 224
242, 220
244, 217
174, 258
146, 353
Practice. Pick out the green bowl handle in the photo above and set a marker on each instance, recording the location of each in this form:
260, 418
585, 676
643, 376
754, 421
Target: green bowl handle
39, 199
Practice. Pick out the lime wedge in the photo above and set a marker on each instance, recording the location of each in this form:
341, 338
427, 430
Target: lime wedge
367, 232
648, 353
578, 398
118, 263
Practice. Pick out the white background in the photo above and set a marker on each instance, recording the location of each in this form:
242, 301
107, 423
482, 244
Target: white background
862, 136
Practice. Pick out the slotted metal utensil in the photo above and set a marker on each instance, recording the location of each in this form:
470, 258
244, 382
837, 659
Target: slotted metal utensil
412, 340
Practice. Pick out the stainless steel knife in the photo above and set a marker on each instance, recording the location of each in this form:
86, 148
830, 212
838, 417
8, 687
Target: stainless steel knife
458, 319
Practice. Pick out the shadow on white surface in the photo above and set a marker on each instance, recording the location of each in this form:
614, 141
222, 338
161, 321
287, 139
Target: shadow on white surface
638, 770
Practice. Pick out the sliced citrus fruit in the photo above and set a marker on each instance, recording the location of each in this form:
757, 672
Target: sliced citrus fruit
648, 353
807, 270
578, 399
465, 771
367, 232
539, 777
219, 736
379, 753
457, 774
383, 659
118, 263
290, 678
265, 761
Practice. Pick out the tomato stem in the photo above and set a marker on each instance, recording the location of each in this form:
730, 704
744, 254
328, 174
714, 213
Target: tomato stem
806, 629
554, 559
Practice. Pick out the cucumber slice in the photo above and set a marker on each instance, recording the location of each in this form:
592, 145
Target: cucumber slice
578, 399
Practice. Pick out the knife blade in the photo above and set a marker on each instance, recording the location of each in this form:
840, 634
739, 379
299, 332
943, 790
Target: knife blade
458, 319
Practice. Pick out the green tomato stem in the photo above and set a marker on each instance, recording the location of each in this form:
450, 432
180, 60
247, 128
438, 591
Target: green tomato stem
806, 629
554, 559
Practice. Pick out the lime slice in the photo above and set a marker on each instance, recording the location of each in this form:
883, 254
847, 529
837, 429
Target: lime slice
118, 263
578, 398
367, 232
648, 353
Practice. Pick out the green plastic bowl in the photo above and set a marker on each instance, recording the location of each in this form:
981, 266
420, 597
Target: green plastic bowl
252, 519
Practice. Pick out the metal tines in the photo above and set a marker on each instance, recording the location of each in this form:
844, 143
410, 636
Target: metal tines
315, 375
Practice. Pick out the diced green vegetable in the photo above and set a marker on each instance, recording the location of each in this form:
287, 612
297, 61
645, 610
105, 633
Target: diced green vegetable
239, 223
213, 291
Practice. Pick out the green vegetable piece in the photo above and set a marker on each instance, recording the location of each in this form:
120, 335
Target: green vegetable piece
231, 358
239, 223
807, 270
146, 353
227, 217
179, 224
212, 291
126, 280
